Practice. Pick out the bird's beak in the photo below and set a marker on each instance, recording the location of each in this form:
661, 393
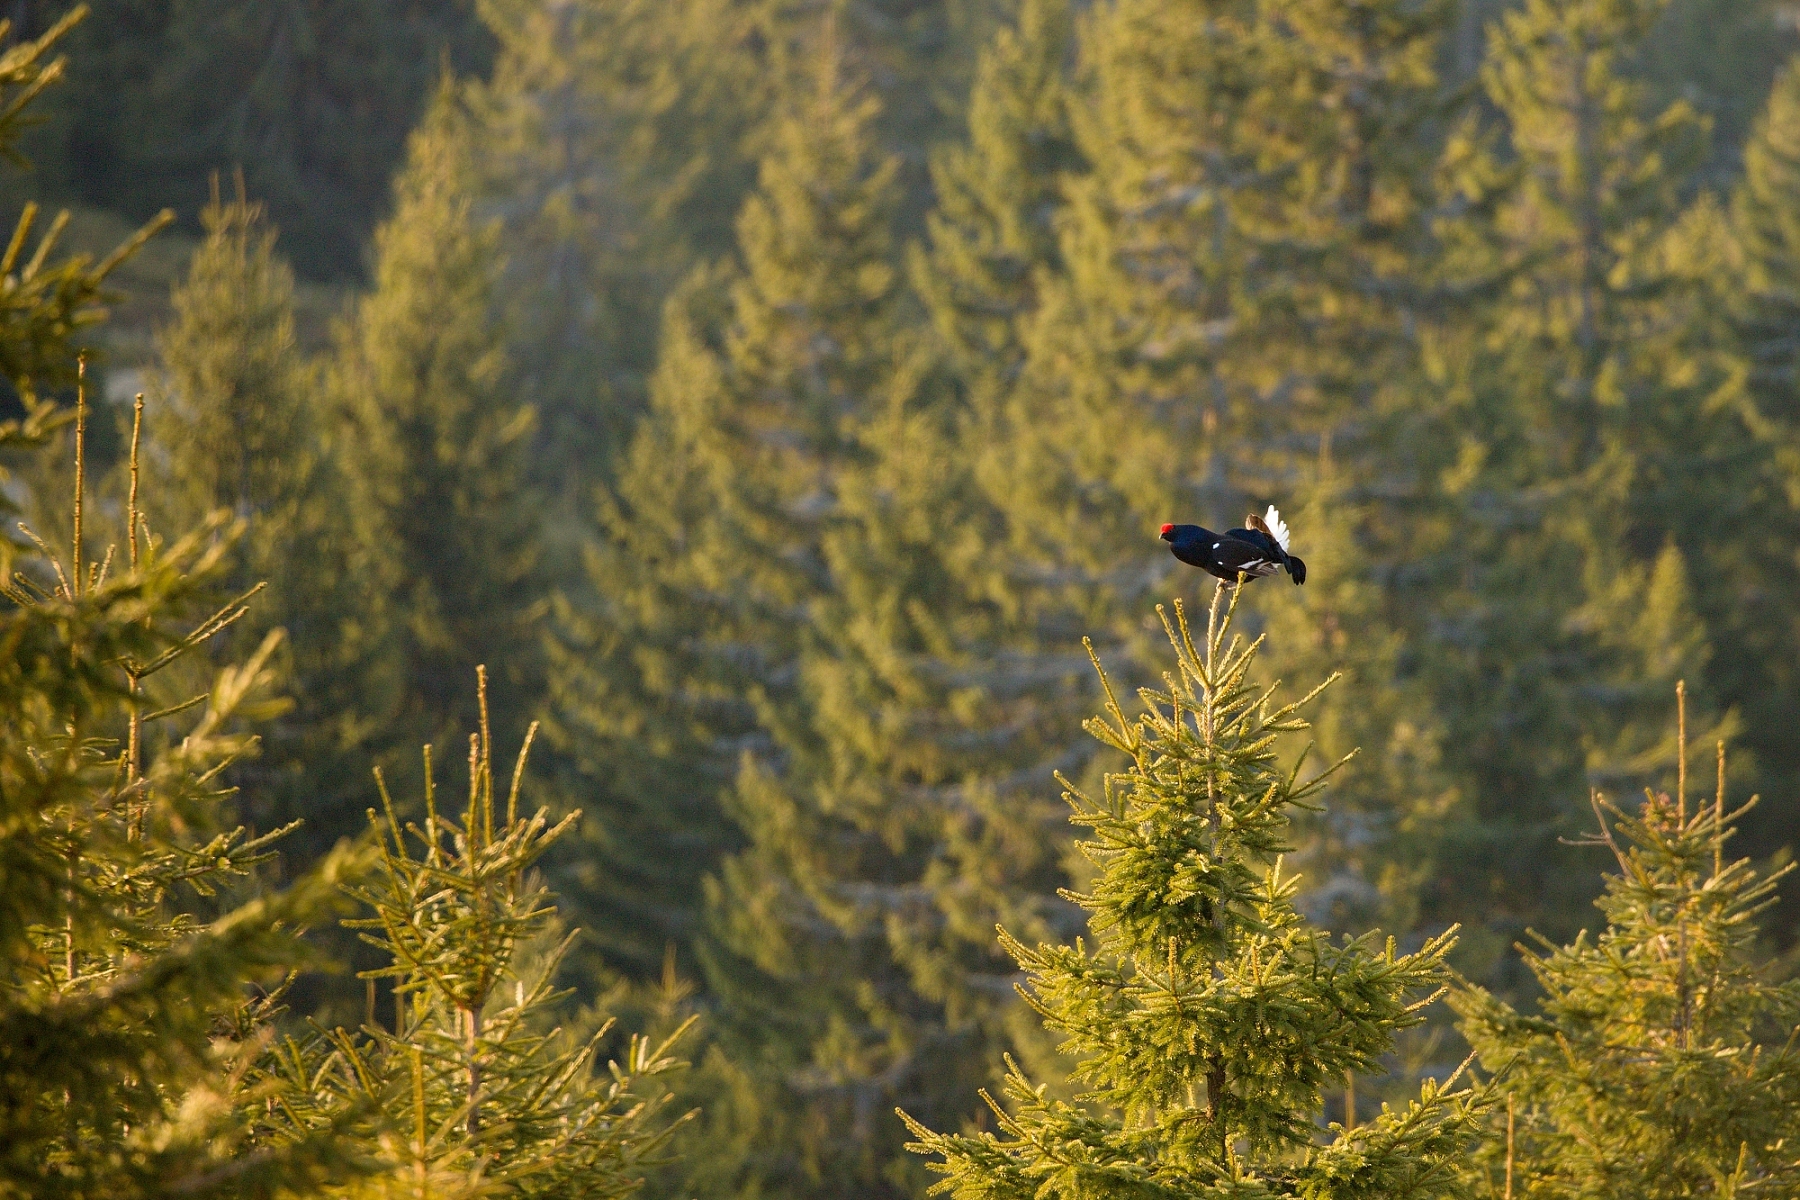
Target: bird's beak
1167, 534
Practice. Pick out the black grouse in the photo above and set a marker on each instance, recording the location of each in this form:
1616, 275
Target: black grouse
1260, 550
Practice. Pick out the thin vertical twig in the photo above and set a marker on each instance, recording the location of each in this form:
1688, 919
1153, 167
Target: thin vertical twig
1681, 750
419, 1129
69, 927
473, 821
1719, 816
1684, 1016
134, 746
80, 469
512, 794
75, 590
487, 755
1507, 1195
132, 514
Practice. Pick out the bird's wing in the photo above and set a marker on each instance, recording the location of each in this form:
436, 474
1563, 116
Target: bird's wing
1235, 554
1272, 524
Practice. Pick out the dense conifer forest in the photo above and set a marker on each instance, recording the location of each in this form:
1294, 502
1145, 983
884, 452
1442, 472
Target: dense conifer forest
581, 611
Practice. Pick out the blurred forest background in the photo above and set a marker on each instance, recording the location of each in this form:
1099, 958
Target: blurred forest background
773, 393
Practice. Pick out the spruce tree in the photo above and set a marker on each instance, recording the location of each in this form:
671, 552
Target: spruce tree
1208, 1017
1241, 286
712, 550
235, 428
237, 423
798, 494
1660, 1060
433, 436
471, 1089
145, 944
610, 142
1355, 282
616, 144
893, 824
1764, 220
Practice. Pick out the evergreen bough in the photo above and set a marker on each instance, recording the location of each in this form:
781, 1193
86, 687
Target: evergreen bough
1209, 1018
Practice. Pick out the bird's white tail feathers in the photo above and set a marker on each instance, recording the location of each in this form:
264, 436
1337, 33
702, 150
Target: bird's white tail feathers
1277, 527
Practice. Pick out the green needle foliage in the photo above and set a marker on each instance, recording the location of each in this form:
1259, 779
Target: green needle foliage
136, 934
1210, 1018
479, 1093
1662, 1059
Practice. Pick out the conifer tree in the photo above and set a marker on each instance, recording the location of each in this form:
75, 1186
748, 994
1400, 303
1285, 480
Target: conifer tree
616, 144
713, 551
1765, 221
433, 437
892, 826
1208, 1016
472, 1089
236, 432
143, 945
236, 425
610, 143
1661, 1059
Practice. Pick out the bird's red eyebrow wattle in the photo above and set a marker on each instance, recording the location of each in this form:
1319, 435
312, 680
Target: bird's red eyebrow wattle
1165, 528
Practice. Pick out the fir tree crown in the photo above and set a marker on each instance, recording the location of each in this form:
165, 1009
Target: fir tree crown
1208, 1017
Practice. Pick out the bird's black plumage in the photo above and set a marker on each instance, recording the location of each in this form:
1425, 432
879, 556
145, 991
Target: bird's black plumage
1253, 552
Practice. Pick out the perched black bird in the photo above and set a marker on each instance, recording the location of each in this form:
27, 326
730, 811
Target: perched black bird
1260, 550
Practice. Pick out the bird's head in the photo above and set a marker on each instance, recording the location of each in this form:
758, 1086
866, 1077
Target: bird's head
1167, 534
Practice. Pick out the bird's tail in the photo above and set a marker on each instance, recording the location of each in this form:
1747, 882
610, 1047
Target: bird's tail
1297, 568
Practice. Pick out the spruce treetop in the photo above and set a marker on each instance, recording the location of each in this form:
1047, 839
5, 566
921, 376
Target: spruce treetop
1661, 1061
475, 1090
1209, 1017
